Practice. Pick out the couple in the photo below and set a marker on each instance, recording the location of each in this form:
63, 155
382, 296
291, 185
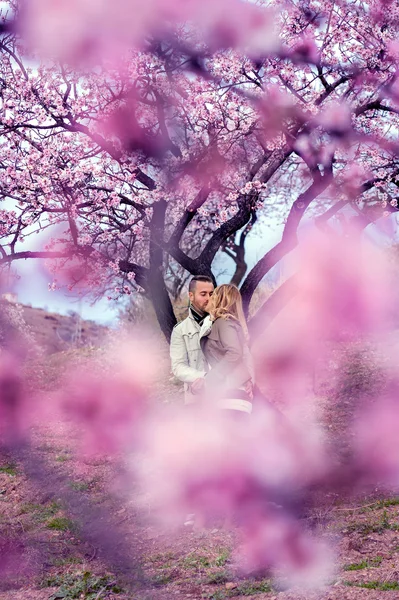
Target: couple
209, 349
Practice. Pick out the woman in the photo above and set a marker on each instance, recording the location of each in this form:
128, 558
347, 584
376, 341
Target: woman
224, 342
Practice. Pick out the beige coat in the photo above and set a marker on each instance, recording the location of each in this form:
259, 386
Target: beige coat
187, 360
226, 351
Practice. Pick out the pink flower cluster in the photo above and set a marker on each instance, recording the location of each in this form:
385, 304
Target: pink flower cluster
84, 29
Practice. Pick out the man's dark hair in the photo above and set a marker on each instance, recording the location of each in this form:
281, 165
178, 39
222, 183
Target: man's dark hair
203, 278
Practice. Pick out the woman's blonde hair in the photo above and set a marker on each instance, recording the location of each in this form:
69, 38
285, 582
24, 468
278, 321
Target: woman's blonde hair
226, 303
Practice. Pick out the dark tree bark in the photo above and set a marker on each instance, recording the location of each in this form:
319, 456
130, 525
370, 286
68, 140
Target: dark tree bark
141, 273
156, 283
288, 241
241, 266
236, 251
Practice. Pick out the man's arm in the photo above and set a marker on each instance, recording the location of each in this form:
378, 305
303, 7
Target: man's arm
179, 359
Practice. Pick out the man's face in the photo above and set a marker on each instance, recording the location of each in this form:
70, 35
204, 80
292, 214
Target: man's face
201, 295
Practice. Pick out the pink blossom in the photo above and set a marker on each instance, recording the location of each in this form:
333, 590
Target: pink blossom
343, 290
109, 401
335, 118
277, 542
16, 413
377, 444
306, 50
89, 27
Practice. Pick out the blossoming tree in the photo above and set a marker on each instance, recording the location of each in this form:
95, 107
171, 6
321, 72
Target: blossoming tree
153, 148
144, 139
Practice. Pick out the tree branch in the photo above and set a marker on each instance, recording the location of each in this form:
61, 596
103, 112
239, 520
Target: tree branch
234, 224
141, 273
288, 240
109, 148
188, 216
31, 254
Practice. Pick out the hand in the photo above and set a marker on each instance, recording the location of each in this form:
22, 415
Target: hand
197, 386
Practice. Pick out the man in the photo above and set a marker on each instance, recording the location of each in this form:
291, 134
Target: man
188, 363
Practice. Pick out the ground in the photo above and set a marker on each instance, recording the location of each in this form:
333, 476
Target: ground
54, 332
60, 558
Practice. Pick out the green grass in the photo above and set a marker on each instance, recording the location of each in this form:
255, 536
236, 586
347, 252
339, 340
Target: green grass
83, 585
246, 588
66, 561
222, 558
200, 561
60, 524
195, 561
10, 469
163, 579
379, 526
162, 557
217, 577
218, 595
380, 504
357, 566
40, 512
209, 566
383, 586
250, 588
364, 564
79, 486
388, 502
62, 458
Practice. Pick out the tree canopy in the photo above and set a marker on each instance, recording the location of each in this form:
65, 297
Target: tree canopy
146, 153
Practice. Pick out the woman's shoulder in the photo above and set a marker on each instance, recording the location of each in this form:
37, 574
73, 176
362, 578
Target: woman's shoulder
226, 323
206, 327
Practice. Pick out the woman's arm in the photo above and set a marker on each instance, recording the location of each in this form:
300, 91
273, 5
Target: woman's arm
232, 345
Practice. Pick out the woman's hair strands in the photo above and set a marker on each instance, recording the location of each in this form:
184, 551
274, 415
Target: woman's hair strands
226, 303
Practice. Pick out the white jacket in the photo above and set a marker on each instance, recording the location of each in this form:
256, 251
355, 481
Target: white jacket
188, 362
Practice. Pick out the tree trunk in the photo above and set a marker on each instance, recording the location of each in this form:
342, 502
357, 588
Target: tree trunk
241, 266
239, 273
156, 283
161, 303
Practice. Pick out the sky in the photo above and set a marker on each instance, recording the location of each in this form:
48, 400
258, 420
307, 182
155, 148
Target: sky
32, 288
33, 285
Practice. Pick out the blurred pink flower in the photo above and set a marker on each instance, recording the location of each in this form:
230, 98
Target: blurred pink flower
343, 292
275, 541
305, 50
82, 30
335, 118
376, 443
15, 411
233, 467
109, 400
124, 125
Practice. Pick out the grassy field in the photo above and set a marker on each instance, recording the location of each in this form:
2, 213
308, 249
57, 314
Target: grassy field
49, 519
61, 563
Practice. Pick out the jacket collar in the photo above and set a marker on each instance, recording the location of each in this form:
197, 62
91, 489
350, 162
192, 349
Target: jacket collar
196, 315
206, 327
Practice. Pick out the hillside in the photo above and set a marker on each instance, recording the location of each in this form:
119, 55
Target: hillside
55, 332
